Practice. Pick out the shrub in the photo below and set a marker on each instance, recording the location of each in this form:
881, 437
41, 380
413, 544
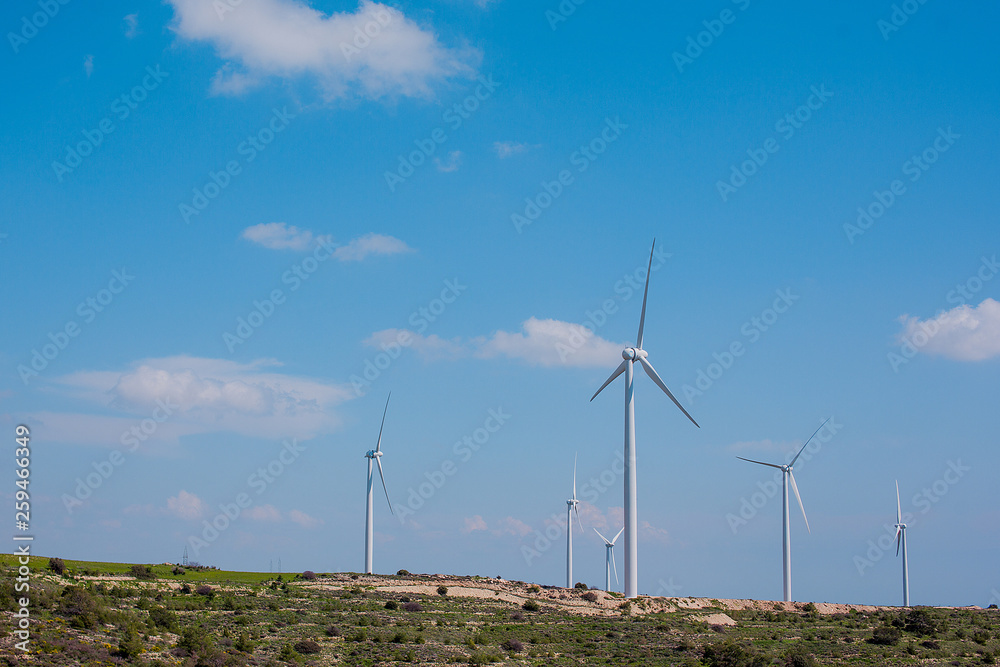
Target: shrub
930, 644
412, 606
129, 644
512, 646
309, 575
57, 565
919, 622
403, 573
332, 631
178, 570
288, 654
141, 572
392, 605
533, 588
244, 644
887, 635
797, 657
306, 647
590, 596
731, 654
442, 590
163, 618
205, 590
516, 616
581, 585
530, 605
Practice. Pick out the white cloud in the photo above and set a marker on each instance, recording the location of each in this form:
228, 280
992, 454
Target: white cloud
203, 396
452, 163
964, 333
279, 236
474, 523
263, 513
511, 526
304, 519
88, 65
186, 506
539, 343
370, 244
131, 25
505, 149
287, 38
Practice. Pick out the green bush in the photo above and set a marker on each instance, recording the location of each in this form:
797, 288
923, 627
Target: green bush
391, 605
887, 635
163, 618
57, 565
530, 605
731, 654
798, 657
442, 590
141, 572
129, 644
306, 647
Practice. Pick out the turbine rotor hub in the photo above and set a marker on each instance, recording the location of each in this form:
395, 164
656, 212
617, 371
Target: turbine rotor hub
629, 354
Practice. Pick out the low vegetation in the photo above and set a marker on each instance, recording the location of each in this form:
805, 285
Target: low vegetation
108, 614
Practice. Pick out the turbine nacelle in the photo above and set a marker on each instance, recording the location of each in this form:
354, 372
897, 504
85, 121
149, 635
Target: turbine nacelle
634, 353
371, 454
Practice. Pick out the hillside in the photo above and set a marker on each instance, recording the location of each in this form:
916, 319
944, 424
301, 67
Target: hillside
107, 613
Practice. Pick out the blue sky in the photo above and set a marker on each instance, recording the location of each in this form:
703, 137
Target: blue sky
218, 217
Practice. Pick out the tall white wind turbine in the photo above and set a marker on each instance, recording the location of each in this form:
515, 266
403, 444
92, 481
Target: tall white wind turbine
901, 543
609, 557
374, 457
571, 506
786, 544
631, 355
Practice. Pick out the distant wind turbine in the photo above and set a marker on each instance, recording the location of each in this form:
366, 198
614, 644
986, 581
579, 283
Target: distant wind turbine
786, 545
609, 557
901, 542
631, 355
571, 506
374, 456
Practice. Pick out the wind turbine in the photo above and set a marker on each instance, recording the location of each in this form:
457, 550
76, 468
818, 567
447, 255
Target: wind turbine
786, 545
374, 456
571, 506
631, 355
609, 557
901, 542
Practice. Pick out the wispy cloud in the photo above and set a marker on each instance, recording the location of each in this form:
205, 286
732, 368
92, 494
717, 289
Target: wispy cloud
131, 25
964, 333
263, 513
289, 39
538, 343
88, 65
186, 506
281, 236
371, 244
505, 149
301, 518
451, 163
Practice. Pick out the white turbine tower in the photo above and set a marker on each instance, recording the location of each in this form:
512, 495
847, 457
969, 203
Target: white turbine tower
786, 544
374, 456
901, 543
609, 557
632, 355
571, 506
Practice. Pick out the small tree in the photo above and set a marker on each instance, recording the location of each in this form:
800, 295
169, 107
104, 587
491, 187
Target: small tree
309, 575
57, 565
530, 605
442, 590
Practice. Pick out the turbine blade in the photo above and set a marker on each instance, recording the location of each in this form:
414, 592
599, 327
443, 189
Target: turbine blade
618, 535
618, 371
899, 510
574, 476
760, 462
799, 498
651, 372
899, 533
645, 291
378, 460
792, 462
602, 537
614, 565
578, 519
378, 445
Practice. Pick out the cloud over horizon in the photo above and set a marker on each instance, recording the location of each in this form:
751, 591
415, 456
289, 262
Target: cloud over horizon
964, 333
